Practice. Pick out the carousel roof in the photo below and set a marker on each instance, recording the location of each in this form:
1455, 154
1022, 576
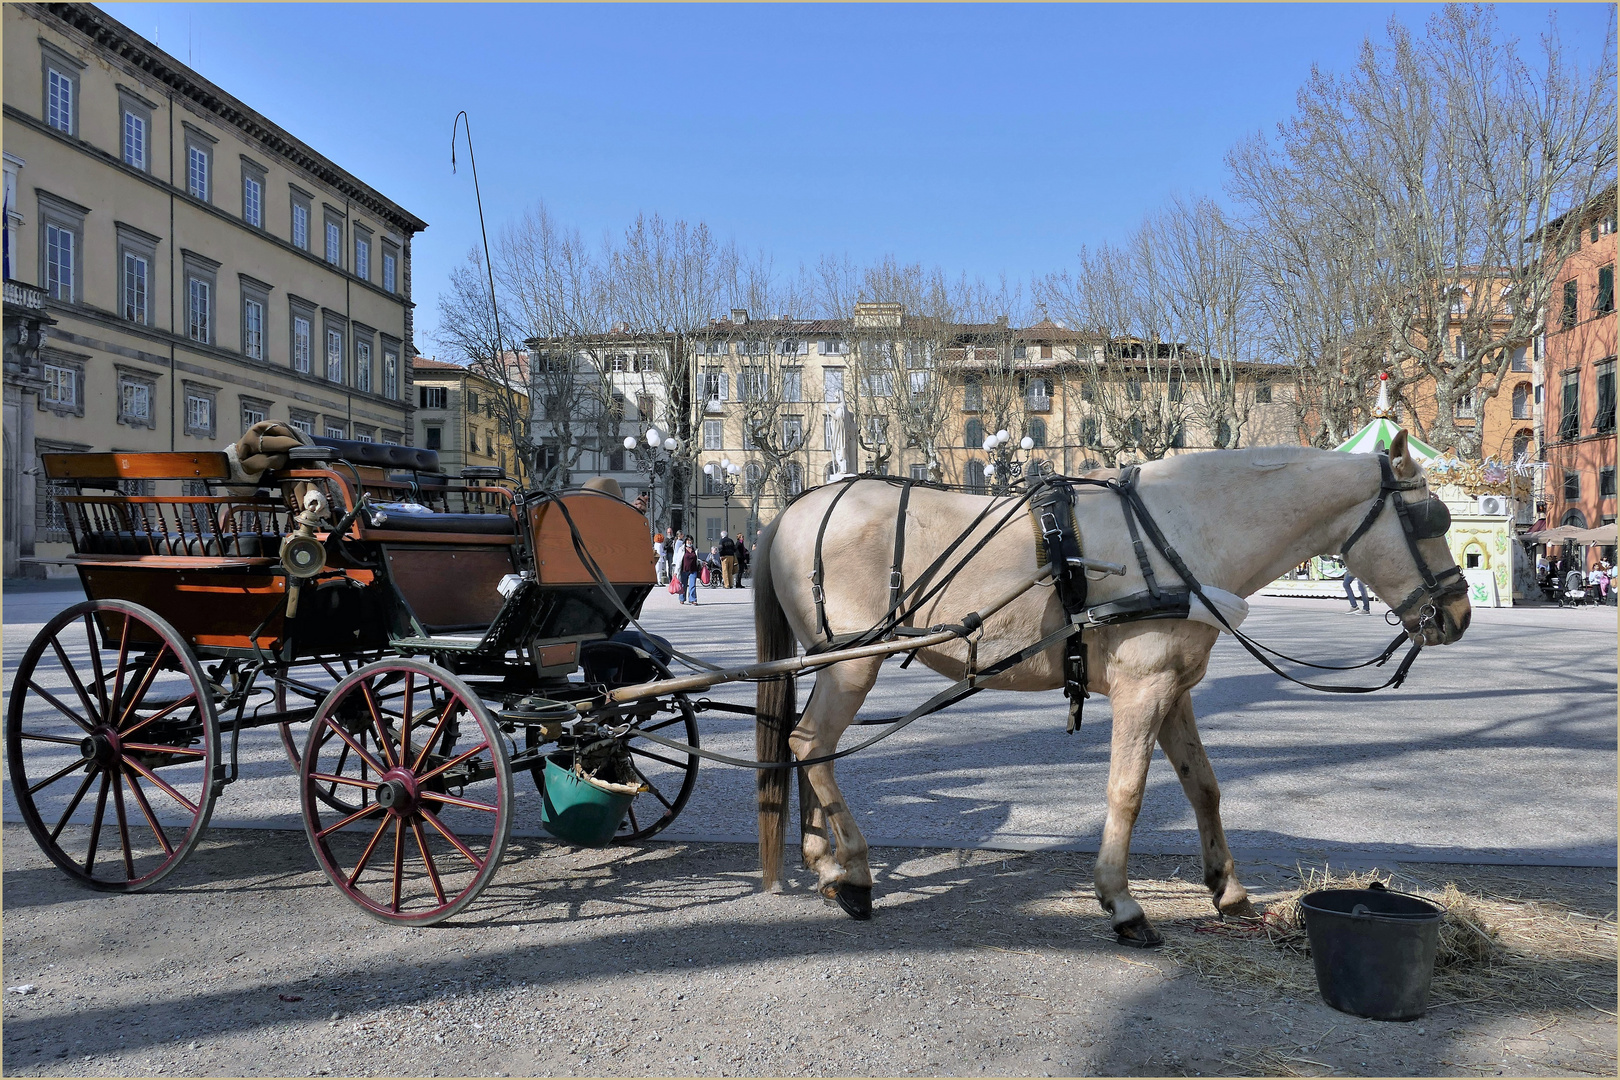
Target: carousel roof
1379, 434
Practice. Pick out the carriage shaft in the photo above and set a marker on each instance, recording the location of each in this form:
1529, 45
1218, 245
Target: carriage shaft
820, 660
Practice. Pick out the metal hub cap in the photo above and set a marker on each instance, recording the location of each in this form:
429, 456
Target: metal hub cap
397, 793
100, 747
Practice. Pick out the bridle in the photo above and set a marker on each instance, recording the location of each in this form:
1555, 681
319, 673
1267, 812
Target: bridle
1427, 520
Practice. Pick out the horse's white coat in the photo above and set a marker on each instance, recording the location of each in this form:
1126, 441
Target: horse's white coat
1238, 518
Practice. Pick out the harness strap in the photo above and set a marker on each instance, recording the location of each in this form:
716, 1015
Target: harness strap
1133, 499
896, 576
919, 592
963, 688
816, 592
1127, 490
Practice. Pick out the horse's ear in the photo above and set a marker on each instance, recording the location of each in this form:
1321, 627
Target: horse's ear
1400, 456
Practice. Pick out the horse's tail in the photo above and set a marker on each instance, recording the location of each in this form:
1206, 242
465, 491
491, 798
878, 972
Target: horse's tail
774, 710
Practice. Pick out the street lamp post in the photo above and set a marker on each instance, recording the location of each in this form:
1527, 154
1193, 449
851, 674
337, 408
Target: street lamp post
657, 459
724, 472
1004, 469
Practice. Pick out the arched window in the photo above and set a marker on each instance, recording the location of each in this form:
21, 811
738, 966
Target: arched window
792, 477
973, 434
1090, 432
1522, 439
753, 477
973, 476
1036, 430
1521, 401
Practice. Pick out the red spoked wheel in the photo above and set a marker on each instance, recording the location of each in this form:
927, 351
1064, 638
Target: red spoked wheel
337, 796
432, 791
112, 744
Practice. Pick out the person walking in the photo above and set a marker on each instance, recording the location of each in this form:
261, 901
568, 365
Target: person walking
1351, 581
677, 553
742, 559
661, 559
691, 566
728, 562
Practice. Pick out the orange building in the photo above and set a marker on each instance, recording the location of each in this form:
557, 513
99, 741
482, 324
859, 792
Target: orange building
1578, 440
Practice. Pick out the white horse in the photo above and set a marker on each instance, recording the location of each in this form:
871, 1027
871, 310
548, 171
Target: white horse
1238, 518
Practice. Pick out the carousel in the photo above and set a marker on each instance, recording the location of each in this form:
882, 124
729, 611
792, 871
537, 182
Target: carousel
1481, 496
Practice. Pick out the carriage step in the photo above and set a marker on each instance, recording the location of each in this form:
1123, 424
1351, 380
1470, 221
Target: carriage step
449, 643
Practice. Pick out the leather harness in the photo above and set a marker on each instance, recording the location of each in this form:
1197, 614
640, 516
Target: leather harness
1051, 505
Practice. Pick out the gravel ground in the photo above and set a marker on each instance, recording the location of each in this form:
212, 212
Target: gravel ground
669, 961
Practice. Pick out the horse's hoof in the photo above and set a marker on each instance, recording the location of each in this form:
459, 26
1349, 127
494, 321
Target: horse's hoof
1138, 934
856, 900
1243, 909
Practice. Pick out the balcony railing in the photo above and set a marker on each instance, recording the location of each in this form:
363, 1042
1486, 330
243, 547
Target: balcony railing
24, 296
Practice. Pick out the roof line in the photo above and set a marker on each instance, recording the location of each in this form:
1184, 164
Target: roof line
110, 34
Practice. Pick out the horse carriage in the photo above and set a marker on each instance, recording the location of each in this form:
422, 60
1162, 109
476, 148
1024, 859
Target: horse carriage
419, 640
461, 621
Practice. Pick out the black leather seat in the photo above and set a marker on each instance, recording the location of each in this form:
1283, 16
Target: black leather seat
379, 454
242, 545
481, 524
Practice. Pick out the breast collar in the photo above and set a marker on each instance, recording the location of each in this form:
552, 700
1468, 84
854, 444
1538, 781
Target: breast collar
1426, 521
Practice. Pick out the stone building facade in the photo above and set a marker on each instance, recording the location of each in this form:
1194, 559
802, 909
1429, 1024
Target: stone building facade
204, 268
460, 414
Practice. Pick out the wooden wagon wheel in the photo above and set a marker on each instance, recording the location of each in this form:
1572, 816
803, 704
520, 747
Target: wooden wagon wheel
438, 782
337, 796
111, 729
669, 774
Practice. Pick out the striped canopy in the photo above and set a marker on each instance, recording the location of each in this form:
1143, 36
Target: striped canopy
1381, 432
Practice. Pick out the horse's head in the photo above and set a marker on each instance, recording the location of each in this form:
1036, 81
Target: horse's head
1398, 547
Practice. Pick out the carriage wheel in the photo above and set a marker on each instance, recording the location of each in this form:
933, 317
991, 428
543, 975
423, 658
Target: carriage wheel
337, 796
112, 745
438, 791
668, 773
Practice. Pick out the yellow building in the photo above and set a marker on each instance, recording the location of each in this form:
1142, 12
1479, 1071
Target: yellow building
203, 267
462, 415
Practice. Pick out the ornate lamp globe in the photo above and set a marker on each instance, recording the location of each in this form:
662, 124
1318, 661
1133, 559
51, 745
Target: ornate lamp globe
1002, 437
1026, 443
654, 438
672, 444
629, 442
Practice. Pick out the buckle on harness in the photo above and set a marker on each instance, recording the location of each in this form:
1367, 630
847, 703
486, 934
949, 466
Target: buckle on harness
815, 586
895, 579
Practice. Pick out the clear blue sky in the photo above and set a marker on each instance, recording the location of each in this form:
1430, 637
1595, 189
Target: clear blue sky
988, 139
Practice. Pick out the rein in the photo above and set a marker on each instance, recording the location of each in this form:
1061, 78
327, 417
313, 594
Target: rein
1131, 500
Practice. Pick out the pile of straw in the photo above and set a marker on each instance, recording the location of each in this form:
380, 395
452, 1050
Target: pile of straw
1538, 953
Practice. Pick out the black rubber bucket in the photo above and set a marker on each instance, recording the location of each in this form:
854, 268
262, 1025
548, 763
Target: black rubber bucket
1373, 950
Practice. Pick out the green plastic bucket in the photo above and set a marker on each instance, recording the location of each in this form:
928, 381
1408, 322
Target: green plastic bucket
581, 810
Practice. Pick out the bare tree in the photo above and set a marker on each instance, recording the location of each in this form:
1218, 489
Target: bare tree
1210, 288
1442, 160
1133, 386
467, 329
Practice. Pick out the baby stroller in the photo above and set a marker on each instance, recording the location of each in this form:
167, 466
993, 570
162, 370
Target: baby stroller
1575, 592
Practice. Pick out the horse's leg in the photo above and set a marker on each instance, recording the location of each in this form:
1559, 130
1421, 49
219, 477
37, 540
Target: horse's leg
1178, 735
844, 874
814, 842
1138, 712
